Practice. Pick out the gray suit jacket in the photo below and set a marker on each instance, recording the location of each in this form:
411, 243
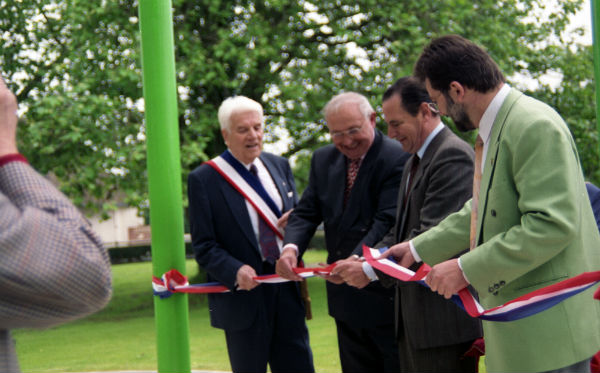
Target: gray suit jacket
53, 268
442, 184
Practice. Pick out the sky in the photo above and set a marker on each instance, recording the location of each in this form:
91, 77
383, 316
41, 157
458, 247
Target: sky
584, 17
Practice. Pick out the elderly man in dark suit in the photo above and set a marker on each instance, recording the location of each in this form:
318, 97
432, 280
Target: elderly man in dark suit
237, 203
433, 333
352, 189
53, 267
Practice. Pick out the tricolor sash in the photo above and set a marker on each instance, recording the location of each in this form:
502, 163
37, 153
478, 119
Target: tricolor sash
250, 187
521, 307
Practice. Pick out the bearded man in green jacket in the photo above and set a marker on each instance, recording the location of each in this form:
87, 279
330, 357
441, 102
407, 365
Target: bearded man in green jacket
534, 224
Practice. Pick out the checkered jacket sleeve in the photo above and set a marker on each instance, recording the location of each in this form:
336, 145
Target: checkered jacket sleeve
53, 268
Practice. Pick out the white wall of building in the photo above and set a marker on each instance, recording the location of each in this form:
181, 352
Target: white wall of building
115, 230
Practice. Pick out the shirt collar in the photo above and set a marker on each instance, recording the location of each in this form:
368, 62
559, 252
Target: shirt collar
254, 162
430, 138
489, 116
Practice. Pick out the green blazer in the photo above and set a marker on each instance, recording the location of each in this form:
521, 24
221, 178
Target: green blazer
535, 227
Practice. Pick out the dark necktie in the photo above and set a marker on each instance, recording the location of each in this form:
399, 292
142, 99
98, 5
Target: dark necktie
266, 237
353, 166
476, 185
411, 177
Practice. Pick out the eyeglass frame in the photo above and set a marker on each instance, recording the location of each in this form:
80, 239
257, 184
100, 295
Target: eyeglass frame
350, 132
433, 107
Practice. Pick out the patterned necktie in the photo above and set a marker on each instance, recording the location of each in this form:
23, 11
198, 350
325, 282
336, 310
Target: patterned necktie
476, 184
353, 166
411, 177
266, 237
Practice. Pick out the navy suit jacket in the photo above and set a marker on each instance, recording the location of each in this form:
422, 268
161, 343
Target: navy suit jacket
594, 194
223, 238
367, 217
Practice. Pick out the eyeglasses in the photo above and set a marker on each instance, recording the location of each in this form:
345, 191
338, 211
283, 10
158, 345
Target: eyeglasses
433, 107
350, 132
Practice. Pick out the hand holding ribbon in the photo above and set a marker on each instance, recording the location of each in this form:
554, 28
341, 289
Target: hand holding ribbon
521, 307
401, 252
287, 264
446, 278
350, 270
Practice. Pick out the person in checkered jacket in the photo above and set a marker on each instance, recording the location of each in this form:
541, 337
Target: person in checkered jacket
53, 267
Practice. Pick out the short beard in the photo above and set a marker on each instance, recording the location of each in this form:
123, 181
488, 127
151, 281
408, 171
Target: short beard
458, 115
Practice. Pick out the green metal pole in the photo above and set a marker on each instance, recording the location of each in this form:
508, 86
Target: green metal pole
596, 39
164, 180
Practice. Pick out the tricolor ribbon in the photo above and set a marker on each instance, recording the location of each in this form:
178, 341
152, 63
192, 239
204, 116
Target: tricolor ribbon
174, 282
521, 307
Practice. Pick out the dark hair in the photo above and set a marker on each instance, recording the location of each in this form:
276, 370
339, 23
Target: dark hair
453, 58
412, 94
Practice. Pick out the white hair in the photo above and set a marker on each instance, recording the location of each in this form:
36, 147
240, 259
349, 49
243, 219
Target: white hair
346, 97
236, 104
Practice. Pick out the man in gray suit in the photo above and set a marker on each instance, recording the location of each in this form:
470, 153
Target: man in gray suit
433, 333
53, 268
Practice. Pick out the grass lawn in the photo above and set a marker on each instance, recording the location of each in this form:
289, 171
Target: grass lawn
122, 336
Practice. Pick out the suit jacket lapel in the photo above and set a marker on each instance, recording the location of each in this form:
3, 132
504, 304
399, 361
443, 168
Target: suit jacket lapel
401, 210
280, 183
491, 155
237, 205
336, 182
427, 156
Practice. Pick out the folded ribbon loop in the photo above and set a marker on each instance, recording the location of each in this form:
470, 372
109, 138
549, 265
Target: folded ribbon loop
521, 307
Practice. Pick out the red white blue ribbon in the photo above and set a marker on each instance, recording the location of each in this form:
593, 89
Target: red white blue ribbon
521, 307
174, 282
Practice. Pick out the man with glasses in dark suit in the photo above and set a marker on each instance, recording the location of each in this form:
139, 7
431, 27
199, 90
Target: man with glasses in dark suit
352, 190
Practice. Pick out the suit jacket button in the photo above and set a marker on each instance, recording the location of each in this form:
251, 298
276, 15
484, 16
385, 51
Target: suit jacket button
491, 289
502, 283
496, 286
338, 252
493, 212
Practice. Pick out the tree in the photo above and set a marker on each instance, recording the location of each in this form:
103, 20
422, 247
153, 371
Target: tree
76, 68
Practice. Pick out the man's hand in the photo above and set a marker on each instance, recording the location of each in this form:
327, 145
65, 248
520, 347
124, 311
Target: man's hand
8, 120
245, 278
351, 271
282, 221
333, 278
401, 252
285, 264
446, 278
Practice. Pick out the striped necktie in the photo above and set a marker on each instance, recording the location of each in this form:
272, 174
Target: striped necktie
476, 185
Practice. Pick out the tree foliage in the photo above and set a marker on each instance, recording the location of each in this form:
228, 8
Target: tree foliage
75, 66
